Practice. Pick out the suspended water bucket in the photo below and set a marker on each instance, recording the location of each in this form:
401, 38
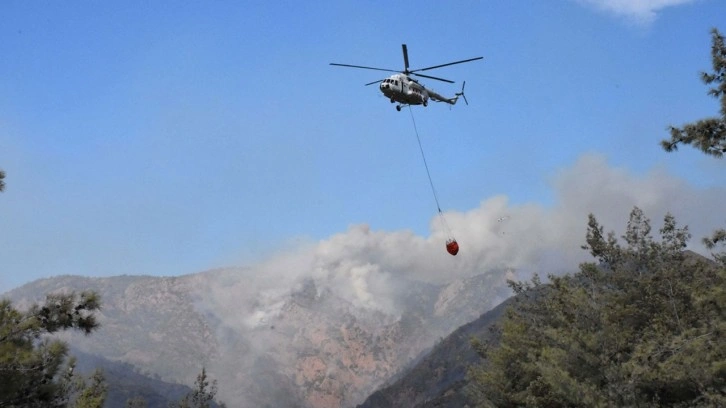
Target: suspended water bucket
452, 246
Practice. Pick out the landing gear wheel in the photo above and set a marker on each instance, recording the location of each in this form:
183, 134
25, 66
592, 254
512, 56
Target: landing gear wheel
392, 101
398, 108
425, 103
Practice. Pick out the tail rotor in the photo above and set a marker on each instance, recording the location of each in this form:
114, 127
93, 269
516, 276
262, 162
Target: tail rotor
458, 94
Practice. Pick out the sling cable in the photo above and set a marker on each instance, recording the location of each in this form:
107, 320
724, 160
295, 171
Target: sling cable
452, 246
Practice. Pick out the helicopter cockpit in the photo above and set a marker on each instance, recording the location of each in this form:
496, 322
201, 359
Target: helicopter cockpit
390, 83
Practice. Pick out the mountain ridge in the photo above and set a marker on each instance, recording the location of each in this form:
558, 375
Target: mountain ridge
305, 346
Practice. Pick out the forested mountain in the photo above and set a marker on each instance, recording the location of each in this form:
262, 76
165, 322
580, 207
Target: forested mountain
438, 378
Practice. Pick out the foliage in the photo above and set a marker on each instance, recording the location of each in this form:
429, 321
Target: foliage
709, 135
2, 180
34, 370
718, 237
91, 393
642, 327
202, 396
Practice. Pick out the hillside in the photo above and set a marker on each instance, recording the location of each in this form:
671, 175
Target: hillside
125, 382
307, 346
437, 380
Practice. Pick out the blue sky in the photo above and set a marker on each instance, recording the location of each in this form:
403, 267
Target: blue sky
167, 138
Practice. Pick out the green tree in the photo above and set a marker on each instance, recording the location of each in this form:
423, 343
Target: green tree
202, 396
643, 326
2, 180
34, 368
717, 238
89, 393
709, 135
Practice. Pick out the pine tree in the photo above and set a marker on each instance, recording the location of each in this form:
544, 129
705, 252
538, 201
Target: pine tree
641, 327
90, 393
717, 238
34, 370
202, 396
709, 135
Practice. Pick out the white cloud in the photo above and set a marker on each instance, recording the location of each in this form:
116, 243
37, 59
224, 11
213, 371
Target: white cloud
640, 11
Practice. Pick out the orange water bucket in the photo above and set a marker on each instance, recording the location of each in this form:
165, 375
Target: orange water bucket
452, 247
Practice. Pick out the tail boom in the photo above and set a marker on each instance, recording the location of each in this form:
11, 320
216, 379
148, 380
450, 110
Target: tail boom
451, 101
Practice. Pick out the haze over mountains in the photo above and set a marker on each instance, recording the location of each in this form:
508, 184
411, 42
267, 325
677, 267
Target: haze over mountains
327, 323
308, 347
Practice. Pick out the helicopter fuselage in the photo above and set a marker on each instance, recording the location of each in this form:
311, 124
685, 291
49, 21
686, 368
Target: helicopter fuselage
404, 90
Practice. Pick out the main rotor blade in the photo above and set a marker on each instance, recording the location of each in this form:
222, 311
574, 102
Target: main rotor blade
405, 57
359, 66
433, 77
446, 65
374, 82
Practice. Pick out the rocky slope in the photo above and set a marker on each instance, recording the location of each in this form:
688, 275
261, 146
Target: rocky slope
438, 379
309, 346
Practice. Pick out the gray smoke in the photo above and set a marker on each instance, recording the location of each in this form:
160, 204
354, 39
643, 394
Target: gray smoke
365, 266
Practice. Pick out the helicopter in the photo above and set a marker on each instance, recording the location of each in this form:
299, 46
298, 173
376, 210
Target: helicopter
405, 90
